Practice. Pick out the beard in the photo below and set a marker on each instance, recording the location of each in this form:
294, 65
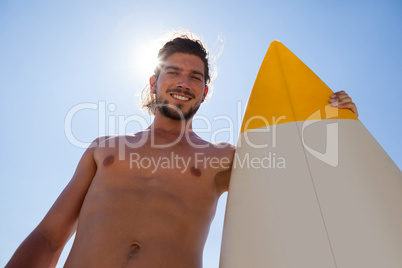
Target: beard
174, 112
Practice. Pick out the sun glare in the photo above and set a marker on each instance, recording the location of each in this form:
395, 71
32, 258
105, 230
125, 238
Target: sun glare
145, 60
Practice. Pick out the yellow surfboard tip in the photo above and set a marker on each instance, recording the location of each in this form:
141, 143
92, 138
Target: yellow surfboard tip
286, 90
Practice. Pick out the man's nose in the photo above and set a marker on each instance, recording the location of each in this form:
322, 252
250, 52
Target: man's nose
184, 82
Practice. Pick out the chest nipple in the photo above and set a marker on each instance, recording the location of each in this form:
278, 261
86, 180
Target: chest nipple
108, 160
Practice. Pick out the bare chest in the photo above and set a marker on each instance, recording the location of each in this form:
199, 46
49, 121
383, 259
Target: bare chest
175, 162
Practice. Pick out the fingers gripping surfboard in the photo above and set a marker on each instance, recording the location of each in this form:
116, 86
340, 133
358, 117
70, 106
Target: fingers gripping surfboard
310, 186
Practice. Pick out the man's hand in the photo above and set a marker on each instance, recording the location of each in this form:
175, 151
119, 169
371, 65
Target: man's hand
342, 100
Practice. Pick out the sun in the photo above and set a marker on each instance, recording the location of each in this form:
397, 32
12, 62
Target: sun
145, 59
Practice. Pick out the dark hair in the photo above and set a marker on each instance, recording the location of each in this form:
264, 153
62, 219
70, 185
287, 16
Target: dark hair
182, 44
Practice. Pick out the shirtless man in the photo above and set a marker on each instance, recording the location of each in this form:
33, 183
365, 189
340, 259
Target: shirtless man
127, 211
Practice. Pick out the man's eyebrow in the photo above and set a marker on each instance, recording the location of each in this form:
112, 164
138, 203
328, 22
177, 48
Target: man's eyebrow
180, 69
197, 72
173, 67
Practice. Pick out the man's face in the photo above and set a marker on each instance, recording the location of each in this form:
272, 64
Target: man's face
180, 87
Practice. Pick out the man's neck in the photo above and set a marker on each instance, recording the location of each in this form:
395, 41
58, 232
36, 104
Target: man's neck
164, 124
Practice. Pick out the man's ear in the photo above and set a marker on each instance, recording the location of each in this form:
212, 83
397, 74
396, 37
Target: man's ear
205, 93
152, 84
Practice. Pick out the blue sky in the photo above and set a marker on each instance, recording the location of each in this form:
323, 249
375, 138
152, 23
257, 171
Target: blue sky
55, 55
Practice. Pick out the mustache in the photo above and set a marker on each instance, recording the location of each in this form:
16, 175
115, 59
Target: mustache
177, 90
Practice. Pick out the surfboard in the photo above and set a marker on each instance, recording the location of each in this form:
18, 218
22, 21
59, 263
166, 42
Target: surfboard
310, 186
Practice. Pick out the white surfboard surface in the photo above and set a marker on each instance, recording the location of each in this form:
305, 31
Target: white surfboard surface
310, 186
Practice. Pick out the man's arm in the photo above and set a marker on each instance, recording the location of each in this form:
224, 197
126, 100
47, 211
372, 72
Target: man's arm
42, 248
222, 178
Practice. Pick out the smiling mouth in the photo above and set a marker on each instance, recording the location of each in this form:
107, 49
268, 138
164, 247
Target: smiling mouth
178, 97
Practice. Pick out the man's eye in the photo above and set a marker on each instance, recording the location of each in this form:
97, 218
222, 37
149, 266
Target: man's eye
175, 73
196, 78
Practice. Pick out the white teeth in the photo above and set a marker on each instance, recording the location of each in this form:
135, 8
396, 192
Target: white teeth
180, 97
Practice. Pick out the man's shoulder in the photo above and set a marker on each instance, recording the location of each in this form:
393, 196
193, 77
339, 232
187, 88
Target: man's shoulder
115, 140
224, 145
223, 148
100, 140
